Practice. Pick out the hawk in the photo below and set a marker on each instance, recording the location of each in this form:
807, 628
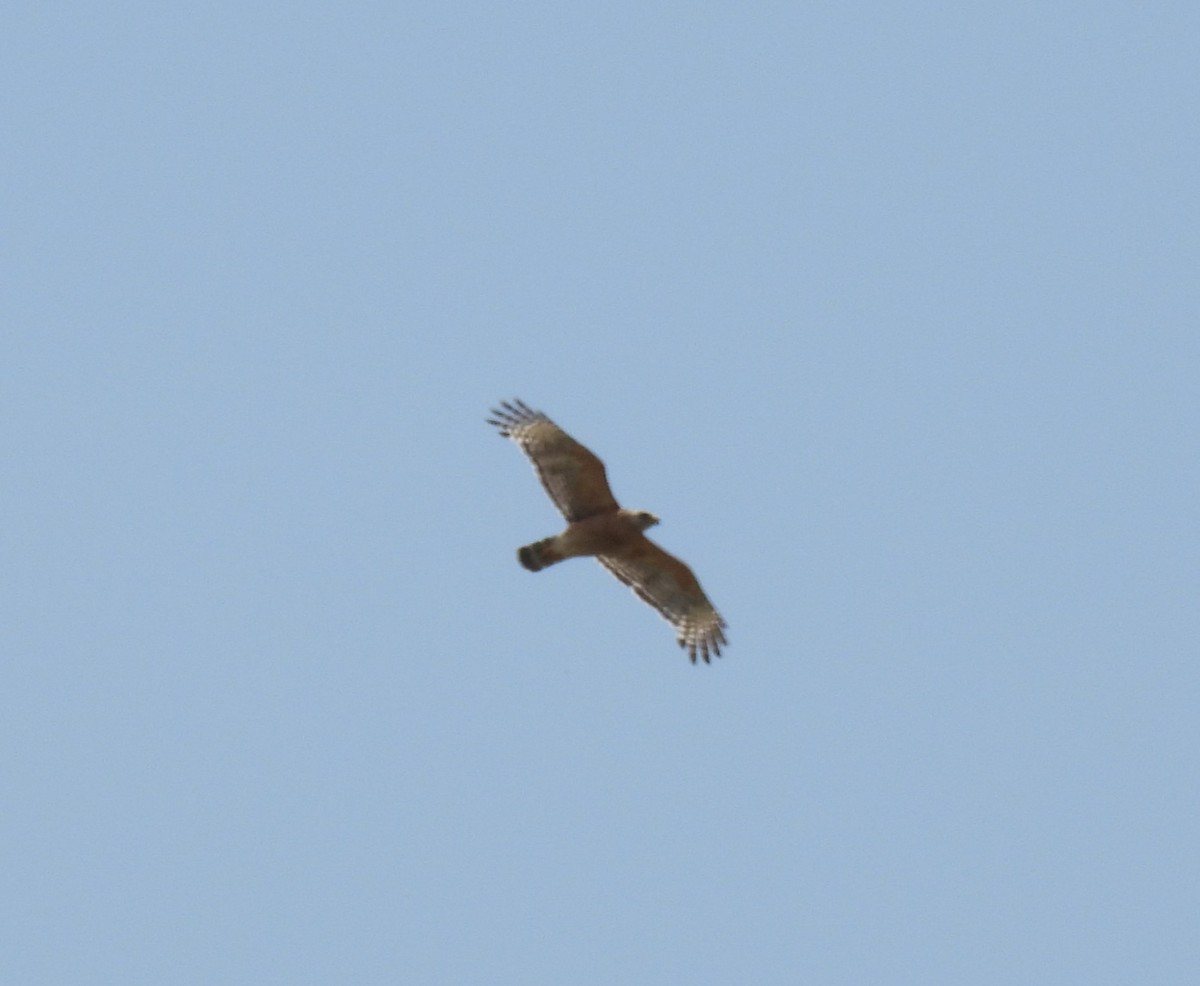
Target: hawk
597, 525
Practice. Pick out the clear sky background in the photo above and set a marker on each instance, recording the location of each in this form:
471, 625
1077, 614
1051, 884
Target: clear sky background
890, 311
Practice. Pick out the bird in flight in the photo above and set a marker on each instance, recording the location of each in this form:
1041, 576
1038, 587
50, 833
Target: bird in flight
597, 525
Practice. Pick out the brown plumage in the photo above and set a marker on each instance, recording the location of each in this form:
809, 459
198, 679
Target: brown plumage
598, 526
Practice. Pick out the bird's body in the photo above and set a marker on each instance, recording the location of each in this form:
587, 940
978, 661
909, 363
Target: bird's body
591, 536
597, 526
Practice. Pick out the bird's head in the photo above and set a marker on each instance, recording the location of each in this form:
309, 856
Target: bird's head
643, 519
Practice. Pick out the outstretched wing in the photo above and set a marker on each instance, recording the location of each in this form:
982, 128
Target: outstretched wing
572, 475
669, 586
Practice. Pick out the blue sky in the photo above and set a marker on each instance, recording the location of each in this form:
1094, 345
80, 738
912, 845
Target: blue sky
889, 311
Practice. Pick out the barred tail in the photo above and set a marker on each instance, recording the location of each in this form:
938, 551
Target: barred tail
538, 555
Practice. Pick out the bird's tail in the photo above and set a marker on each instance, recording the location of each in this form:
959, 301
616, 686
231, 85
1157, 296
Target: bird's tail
538, 555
